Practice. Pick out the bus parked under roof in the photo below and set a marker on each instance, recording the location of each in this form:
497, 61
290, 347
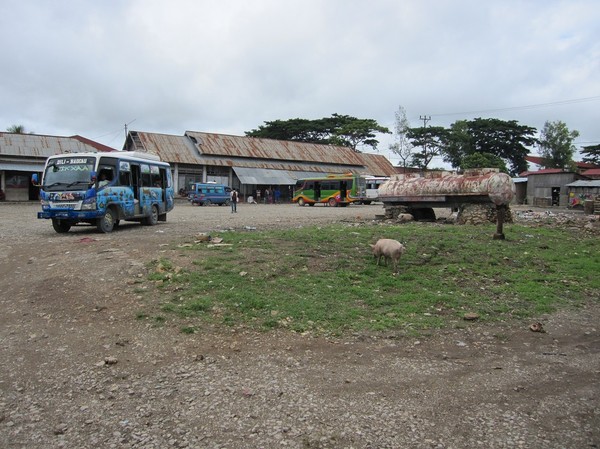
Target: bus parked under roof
331, 190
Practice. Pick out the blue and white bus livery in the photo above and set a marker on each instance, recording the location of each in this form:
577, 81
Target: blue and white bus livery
103, 188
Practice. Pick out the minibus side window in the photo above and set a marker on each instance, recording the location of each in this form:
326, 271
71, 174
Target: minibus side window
146, 177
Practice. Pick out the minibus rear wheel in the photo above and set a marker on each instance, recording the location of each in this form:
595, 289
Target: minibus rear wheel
152, 219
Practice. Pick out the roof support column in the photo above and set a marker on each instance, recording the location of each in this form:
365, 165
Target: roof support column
176, 177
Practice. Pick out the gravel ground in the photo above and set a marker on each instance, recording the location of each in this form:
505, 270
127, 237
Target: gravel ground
80, 371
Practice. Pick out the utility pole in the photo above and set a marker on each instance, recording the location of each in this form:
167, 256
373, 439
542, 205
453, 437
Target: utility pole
425, 119
126, 127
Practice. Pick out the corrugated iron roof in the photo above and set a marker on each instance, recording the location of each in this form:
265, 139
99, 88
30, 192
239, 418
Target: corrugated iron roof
35, 145
545, 171
251, 147
197, 148
378, 165
100, 147
539, 160
172, 149
592, 172
585, 183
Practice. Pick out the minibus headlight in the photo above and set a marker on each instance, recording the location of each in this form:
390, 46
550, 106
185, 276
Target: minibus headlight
45, 204
89, 204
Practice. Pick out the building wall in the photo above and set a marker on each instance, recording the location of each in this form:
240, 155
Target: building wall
548, 189
22, 155
520, 193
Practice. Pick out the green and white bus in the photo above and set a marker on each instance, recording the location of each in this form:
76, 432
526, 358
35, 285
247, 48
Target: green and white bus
331, 190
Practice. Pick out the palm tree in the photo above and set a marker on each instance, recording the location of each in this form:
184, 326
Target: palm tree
17, 129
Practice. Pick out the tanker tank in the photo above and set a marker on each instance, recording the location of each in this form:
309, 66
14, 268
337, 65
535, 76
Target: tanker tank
420, 194
447, 189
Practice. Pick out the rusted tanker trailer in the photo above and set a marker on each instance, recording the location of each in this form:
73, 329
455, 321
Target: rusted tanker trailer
420, 194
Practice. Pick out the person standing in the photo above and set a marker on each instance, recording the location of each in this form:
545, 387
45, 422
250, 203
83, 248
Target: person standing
233, 199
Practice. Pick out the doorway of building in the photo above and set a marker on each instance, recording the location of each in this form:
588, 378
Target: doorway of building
556, 196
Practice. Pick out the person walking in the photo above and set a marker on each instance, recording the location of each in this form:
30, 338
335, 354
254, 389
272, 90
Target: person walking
233, 199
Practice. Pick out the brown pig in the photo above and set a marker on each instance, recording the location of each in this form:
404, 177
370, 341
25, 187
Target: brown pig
389, 250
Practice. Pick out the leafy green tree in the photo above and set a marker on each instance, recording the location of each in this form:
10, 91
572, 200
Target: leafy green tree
352, 132
17, 129
336, 130
505, 139
483, 160
556, 145
401, 146
301, 130
431, 139
591, 154
458, 143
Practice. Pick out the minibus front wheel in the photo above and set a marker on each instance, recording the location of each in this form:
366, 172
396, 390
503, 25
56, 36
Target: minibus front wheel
106, 222
61, 226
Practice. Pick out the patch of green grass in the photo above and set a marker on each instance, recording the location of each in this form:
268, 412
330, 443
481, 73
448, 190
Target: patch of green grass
325, 280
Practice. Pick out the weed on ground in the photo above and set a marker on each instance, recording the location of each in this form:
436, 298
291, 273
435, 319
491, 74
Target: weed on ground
325, 279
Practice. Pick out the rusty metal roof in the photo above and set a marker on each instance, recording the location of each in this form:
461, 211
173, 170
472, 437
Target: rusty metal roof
35, 145
251, 147
377, 165
172, 149
197, 148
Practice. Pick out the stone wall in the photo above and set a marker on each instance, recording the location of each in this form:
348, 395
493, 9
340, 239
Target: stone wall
467, 214
481, 213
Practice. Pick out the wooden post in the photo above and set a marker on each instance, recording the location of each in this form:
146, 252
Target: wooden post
500, 212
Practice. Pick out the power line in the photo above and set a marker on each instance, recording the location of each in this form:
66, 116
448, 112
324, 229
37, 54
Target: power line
108, 134
111, 133
517, 108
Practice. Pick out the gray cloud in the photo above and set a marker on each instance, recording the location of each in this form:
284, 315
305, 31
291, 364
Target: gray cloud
90, 67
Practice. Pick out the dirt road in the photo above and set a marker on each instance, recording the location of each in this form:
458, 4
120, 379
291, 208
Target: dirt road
80, 371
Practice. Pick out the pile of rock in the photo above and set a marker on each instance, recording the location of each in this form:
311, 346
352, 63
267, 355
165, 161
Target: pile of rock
569, 219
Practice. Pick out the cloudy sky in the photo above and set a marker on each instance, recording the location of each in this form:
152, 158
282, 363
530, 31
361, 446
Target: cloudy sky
226, 66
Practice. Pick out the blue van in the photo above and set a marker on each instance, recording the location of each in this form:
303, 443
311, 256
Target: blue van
209, 193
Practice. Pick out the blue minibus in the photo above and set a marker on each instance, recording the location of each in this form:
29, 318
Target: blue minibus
205, 194
101, 189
